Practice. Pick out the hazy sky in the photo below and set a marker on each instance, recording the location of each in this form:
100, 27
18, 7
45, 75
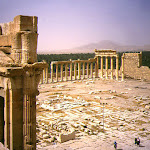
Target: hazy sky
72, 23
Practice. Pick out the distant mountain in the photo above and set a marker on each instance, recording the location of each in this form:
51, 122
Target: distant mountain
109, 45
105, 44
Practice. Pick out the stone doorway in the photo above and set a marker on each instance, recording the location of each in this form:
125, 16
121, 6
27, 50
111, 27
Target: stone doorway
2, 119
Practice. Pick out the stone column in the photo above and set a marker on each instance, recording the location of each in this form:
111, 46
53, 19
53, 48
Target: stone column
61, 74
56, 72
7, 118
66, 71
29, 47
117, 67
101, 66
91, 69
51, 71
16, 47
44, 76
75, 71
83, 70
87, 69
41, 78
70, 69
47, 75
111, 67
16, 118
79, 69
106, 67
2, 119
122, 67
96, 67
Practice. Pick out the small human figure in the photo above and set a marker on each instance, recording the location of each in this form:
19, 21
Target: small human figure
138, 141
115, 145
135, 140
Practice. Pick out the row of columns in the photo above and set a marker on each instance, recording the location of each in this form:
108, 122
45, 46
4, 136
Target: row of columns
87, 70
111, 66
44, 76
77, 72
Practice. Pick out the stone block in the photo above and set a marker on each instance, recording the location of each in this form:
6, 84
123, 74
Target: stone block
66, 137
5, 40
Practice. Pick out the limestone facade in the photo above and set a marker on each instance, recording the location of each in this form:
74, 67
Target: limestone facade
19, 78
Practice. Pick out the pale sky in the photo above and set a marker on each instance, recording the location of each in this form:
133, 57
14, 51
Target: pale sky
65, 24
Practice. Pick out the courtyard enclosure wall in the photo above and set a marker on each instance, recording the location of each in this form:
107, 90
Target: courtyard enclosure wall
19, 78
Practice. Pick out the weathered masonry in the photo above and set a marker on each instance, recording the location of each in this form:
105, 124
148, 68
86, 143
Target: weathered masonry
133, 66
19, 78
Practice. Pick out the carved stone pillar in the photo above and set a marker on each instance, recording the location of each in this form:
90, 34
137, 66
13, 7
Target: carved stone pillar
15, 109
101, 66
106, 65
56, 72
61, 74
41, 78
117, 67
83, 70
16, 47
122, 67
7, 118
51, 71
29, 46
66, 71
91, 69
79, 69
75, 71
44, 75
111, 67
47, 75
96, 67
87, 69
70, 69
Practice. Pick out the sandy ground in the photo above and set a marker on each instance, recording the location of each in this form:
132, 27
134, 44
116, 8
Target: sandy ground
127, 114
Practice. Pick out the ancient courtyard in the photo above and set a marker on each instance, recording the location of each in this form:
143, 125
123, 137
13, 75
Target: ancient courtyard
75, 106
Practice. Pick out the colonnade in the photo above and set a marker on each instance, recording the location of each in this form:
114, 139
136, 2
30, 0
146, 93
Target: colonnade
104, 65
72, 70
104, 68
113, 67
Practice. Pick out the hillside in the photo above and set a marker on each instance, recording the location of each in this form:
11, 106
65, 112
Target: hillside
105, 44
109, 45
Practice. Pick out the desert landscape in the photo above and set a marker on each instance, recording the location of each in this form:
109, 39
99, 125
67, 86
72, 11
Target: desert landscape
77, 106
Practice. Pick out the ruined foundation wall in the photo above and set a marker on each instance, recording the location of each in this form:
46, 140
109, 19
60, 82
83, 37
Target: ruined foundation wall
133, 66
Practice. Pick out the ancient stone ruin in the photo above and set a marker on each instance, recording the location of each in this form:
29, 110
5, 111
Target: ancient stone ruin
133, 66
104, 65
20, 74
19, 78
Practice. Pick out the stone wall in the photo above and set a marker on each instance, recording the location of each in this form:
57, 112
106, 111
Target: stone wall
20, 38
133, 66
